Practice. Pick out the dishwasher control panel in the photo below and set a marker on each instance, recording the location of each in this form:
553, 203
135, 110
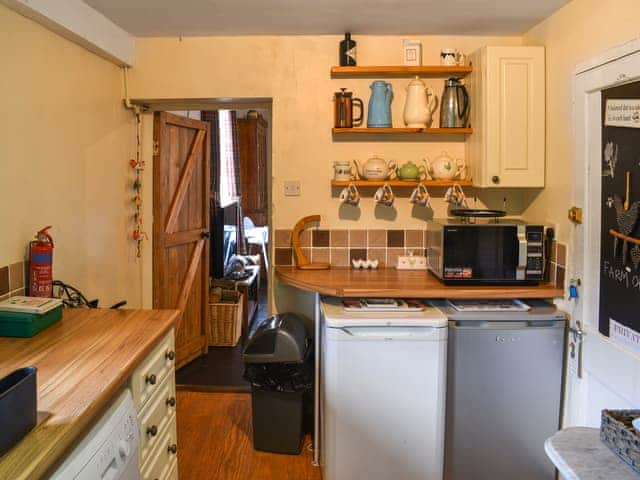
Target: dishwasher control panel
110, 449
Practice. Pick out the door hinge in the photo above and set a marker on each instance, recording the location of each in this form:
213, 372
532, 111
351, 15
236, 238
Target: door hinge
575, 215
156, 148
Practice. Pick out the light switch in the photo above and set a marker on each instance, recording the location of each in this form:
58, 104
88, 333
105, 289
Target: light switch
292, 188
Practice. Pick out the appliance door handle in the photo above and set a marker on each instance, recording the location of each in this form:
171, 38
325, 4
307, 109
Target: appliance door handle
389, 333
488, 325
522, 250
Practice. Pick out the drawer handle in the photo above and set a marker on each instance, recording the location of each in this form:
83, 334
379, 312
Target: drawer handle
171, 402
152, 431
151, 379
173, 449
170, 355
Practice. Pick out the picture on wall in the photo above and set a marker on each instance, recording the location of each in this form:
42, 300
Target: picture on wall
619, 315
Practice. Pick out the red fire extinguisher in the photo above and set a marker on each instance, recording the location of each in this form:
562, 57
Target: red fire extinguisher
41, 264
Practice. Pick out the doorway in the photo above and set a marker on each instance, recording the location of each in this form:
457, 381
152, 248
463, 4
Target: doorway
238, 235
603, 373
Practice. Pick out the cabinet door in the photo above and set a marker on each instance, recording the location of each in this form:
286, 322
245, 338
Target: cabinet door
511, 90
252, 139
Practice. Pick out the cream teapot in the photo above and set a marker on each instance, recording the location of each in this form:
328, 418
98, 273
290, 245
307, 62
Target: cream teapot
443, 167
376, 168
420, 104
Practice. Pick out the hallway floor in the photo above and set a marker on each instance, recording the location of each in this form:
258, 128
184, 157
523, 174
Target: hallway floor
214, 438
221, 368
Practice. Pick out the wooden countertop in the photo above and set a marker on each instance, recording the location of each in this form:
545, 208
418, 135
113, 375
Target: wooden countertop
389, 282
82, 362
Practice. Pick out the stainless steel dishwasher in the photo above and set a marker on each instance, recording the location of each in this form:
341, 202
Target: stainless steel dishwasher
504, 391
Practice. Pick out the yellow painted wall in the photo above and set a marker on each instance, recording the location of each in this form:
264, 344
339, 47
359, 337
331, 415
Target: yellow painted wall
294, 71
65, 139
578, 31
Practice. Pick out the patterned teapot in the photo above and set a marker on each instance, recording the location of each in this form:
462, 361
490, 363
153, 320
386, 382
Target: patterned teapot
376, 168
443, 167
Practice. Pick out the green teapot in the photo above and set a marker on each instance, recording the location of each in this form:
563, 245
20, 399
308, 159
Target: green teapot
410, 171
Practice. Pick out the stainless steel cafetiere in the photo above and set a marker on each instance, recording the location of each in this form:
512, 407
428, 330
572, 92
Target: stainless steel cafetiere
454, 106
343, 109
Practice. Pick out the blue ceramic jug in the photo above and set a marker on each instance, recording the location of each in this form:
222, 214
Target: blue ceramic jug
380, 105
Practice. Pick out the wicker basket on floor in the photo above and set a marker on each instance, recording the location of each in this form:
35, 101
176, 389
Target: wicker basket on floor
225, 323
617, 432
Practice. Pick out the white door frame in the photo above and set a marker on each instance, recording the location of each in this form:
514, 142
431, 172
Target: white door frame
611, 374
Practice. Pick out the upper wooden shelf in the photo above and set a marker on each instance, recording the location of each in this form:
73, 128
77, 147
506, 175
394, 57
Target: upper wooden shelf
401, 71
402, 131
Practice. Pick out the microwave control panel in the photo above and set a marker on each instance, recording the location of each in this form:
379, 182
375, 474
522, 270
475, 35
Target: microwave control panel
535, 252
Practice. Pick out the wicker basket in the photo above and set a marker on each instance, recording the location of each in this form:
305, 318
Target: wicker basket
225, 323
617, 433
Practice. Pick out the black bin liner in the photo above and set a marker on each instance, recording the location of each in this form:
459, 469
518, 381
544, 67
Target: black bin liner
279, 364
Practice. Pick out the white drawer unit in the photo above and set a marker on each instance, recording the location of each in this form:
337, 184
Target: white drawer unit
173, 473
147, 378
157, 414
153, 385
162, 462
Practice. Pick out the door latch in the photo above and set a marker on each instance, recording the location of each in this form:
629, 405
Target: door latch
575, 215
577, 335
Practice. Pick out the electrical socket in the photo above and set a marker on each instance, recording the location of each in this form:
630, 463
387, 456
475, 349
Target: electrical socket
292, 188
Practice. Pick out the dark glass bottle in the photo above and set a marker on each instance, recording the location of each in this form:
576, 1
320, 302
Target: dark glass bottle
347, 51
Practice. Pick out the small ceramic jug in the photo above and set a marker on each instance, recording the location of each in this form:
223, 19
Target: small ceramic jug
342, 170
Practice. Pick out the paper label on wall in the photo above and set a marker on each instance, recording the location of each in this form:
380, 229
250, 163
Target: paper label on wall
624, 336
623, 113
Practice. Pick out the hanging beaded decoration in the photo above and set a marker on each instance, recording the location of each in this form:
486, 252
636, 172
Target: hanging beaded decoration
137, 164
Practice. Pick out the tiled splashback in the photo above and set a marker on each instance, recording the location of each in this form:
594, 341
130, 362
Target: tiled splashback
12, 280
338, 247
558, 266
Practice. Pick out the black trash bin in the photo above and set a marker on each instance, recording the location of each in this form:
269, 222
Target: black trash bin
279, 365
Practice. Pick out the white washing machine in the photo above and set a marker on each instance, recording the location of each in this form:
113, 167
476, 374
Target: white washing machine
383, 381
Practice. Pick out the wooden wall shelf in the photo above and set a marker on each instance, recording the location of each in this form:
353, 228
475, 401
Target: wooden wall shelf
400, 71
401, 183
402, 131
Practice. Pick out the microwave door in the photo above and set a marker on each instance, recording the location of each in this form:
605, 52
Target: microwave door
482, 253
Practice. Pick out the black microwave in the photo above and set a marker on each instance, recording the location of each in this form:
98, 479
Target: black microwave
501, 251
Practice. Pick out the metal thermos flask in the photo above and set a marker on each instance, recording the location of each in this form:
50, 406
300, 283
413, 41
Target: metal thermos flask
454, 107
343, 109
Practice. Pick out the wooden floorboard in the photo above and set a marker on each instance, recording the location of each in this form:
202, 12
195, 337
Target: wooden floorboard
214, 438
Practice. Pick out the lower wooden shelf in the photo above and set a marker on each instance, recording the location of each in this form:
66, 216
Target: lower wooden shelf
403, 131
401, 183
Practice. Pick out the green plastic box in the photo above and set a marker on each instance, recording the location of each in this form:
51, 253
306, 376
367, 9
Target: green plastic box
19, 324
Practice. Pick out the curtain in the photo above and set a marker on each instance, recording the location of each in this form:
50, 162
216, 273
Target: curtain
225, 166
229, 157
212, 118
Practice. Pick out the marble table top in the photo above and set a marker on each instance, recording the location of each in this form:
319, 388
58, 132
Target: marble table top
579, 454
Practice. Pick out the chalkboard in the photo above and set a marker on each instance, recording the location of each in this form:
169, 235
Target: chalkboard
620, 264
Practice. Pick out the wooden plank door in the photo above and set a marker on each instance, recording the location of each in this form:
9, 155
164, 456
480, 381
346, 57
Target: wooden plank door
181, 187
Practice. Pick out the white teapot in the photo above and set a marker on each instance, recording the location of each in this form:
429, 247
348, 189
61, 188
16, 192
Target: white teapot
443, 167
418, 109
376, 168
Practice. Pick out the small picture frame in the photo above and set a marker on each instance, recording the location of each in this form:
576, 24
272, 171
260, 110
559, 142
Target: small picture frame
412, 52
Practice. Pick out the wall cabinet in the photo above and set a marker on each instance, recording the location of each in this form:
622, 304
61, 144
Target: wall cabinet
252, 140
507, 89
